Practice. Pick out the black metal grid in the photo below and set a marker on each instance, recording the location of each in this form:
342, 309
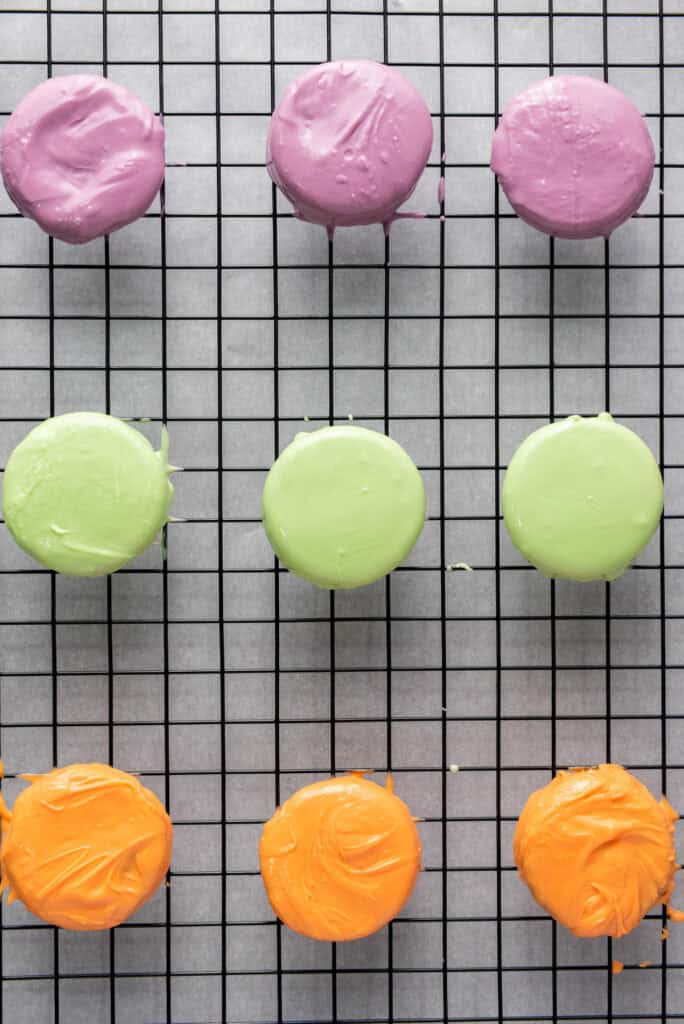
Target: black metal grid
500, 953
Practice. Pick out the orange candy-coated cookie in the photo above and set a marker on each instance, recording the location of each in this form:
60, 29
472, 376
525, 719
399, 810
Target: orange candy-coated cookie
85, 846
340, 858
597, 850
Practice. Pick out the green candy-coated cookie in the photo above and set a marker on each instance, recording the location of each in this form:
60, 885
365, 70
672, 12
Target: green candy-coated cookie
342, 506
84, 493
582, 497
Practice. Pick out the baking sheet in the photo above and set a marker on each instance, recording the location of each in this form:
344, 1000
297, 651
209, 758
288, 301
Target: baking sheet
226, 685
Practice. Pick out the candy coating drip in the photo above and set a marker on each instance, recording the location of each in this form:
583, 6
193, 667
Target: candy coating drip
582, 497
82, 157
574, 156
84, 493
342, 506
348, 142
340, 858
85, 846
597, 850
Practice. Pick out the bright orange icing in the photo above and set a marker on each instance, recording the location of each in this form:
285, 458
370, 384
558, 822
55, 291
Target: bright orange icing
618, 967
85, 846
340, 858
597, 850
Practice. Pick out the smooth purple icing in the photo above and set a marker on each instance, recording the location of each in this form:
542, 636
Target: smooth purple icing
574, 156
82, 157
348, 143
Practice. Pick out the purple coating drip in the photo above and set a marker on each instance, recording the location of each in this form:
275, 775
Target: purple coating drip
82, 157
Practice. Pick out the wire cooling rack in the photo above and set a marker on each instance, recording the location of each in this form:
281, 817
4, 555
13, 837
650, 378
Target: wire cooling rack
228, 684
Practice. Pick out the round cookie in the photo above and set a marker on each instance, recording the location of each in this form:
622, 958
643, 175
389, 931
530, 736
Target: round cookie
574, 156
596, 850
348, 142
84, 493
582, 497
82, 157
85, 846
343, 506
340, 858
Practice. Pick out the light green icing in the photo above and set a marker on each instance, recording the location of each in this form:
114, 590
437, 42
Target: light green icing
85, 493
342, 506
582, 497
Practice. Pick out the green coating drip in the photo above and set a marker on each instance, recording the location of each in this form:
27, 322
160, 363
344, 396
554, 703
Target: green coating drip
342, 506
582, 497
85, 493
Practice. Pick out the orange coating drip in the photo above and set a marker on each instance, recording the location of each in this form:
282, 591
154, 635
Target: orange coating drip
340, 858
675, 915
596, 850
618, 967
85, 846
664, 934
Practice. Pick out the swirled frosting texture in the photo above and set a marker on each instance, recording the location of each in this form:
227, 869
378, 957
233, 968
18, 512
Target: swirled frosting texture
85, 846
82, 157
596, 850
574, 156
84, 493
340, 858
348, 142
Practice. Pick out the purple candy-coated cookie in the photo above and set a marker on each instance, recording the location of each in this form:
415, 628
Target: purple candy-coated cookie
574, 156
82, 157
348, 142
